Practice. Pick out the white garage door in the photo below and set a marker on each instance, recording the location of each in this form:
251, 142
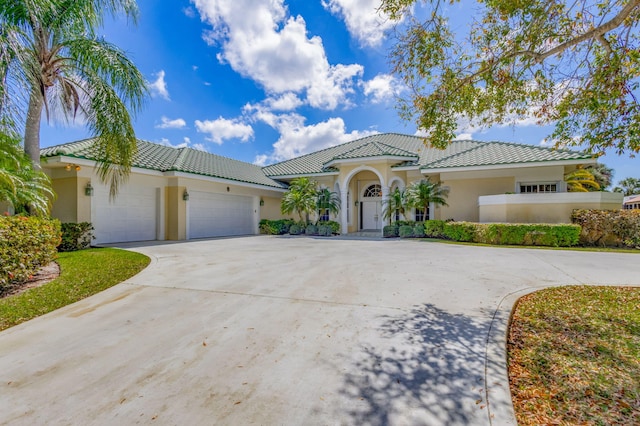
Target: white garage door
218, 215
130, 217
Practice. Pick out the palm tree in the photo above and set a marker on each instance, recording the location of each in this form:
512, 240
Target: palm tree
52, 60
300, 197
602, 174
395, 203
581, 180
424, 192
327, 200
26, 188
628, 186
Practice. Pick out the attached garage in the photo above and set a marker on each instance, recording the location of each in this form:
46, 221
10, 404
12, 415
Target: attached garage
217, 215
132, 216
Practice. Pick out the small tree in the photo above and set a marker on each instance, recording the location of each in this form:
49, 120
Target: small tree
424, 192
327, 200
300, 198
581, 180
628, 186
395, 202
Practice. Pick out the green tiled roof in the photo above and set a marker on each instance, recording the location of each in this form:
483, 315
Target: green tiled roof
164, 158
375, 149
462, 153
314, 163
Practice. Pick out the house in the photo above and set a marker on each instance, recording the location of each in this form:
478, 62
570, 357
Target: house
182, 193
632, 202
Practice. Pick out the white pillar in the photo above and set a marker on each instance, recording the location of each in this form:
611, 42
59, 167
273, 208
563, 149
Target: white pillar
344, 207
385, 197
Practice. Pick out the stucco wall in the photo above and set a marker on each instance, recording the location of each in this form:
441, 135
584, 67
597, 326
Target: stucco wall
543, 208
463, 196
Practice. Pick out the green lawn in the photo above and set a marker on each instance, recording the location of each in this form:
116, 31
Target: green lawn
574, 356
82, 274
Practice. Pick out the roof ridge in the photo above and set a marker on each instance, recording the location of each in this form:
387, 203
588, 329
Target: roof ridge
457, 154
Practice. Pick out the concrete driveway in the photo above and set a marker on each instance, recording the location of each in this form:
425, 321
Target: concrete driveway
289, 331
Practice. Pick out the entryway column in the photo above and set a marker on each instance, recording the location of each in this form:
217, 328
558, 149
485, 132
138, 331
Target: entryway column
344, 206
385, 197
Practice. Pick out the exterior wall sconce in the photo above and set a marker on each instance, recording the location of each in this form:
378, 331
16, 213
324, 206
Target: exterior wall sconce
261, 202
185, 195
75, 167
228, 189
356, 203
88, 190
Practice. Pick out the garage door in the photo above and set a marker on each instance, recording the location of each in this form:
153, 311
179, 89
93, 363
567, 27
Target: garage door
130, 217
218, 215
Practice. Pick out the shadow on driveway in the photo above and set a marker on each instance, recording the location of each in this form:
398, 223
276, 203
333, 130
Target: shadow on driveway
428, 369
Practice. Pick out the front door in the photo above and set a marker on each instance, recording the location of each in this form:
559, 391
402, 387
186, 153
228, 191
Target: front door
371, 208
371, 215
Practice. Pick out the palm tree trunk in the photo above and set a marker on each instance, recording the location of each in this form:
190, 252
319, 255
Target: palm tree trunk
32, 128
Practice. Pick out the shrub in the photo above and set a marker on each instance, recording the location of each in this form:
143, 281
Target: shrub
275, 227
325, 231
405, 231
76, 236
335, 226
608, 227
390, 231
295, 229
312, 230
459, 231
26, 244
434, 228
405, 222
560, 235
418, 230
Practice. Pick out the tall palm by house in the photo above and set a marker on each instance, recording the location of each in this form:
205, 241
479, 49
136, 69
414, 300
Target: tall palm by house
53, 62
327, 200
20, 183
581, 180
424, 192
396, 202
300, 197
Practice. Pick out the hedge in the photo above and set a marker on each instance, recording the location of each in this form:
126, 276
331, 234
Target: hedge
405, 231
434, 228
529, 234
26, 244
390, 231
312, 230
76, 236
619, 228
296, 229
275, 227
324, 231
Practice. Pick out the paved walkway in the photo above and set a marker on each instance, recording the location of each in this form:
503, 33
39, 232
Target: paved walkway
277, 330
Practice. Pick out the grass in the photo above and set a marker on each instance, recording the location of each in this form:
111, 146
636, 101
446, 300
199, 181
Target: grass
82, 274
574, 356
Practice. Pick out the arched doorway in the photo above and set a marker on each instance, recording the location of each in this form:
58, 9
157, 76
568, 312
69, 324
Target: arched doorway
371, 207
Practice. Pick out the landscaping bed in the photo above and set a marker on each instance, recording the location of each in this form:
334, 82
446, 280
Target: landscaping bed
82, 274
574, 356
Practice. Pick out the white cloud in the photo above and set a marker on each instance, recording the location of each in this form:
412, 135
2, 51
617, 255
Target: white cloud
297, 139
167, 123
159, 87
381, 88
167, 142
287, 102
463, 137
362, 18
188, 11
222, 128
260, 41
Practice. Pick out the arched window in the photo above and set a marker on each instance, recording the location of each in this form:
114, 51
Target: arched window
373, 191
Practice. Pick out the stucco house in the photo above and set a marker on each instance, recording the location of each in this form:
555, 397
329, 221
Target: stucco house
632, 202
182, 193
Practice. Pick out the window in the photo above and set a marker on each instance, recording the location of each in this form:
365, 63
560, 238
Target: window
323, 216
531, 188
397, 215
373, 191
420, 217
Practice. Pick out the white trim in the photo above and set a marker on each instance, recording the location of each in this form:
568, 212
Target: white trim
399, 179
406, 168
426, 169
550, 198
222, 180
91, 163
302, 175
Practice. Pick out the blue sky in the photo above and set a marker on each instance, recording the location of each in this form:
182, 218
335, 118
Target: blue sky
264, 81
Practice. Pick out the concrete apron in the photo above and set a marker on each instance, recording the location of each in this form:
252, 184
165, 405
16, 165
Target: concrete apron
273, 330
